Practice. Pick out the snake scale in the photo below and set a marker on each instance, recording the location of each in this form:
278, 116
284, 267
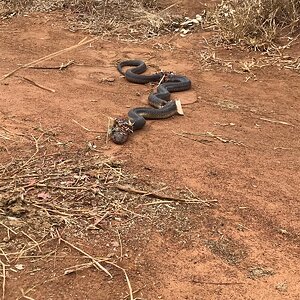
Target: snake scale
162, 106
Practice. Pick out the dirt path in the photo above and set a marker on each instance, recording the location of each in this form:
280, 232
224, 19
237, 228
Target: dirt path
238, 143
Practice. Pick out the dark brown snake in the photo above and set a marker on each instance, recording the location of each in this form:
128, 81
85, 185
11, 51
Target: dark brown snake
162, 106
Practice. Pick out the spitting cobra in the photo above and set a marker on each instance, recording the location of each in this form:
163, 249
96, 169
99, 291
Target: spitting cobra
162, 106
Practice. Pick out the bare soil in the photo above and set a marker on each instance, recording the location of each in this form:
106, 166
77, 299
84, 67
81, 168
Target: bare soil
238, 143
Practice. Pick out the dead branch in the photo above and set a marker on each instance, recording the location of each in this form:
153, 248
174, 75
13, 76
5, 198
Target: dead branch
3, 279
87, 129
47, 57
130, 189
97, 264
210, 135
5, 255
277, 122
217, 283
25, 296
134, 292
121, 245
36, 84
32, 239
61, 187
8, 228
61, 67
126, 277
202, 141
78, 268
24, 293
94, 260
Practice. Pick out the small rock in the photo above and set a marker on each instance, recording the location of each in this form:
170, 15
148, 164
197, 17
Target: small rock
281, 286
259, 272
283, 231
108, 79
19, 267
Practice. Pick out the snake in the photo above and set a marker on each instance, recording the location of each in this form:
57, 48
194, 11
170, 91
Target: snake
160, 100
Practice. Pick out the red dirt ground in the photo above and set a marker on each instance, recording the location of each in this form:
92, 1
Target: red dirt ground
247, 245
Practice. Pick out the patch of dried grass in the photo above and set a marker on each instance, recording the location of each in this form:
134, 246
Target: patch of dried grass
248, 66
257, 23
127, 18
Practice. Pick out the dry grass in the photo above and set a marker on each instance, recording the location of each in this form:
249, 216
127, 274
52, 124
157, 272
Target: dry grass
131, 19
56, 195
260, 24
211, 59
75, 187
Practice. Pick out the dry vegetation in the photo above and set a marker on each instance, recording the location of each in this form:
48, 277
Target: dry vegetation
259, 24
56, 193
127, 18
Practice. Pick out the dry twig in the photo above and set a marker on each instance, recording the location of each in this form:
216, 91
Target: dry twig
202, 141
87, 129
77, 268
32, 239
3, 278
25, 296
8, 228
37, 84
50, 56
96, 263
276, 121
130, 189
121, 245
134, 292
210, 135
61, 67
218, 283
94, 260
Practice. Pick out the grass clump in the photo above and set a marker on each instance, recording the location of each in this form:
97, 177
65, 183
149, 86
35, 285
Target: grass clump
129, 19
260, 24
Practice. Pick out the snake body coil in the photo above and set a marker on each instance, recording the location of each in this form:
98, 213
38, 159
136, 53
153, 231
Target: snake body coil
162, 108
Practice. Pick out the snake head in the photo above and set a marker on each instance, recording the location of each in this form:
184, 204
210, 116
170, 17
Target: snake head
120, 130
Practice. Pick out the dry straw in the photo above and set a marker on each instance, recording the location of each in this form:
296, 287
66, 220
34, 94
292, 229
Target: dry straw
129, 19
257, 23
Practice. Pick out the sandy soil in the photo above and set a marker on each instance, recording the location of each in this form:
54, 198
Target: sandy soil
238, 143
